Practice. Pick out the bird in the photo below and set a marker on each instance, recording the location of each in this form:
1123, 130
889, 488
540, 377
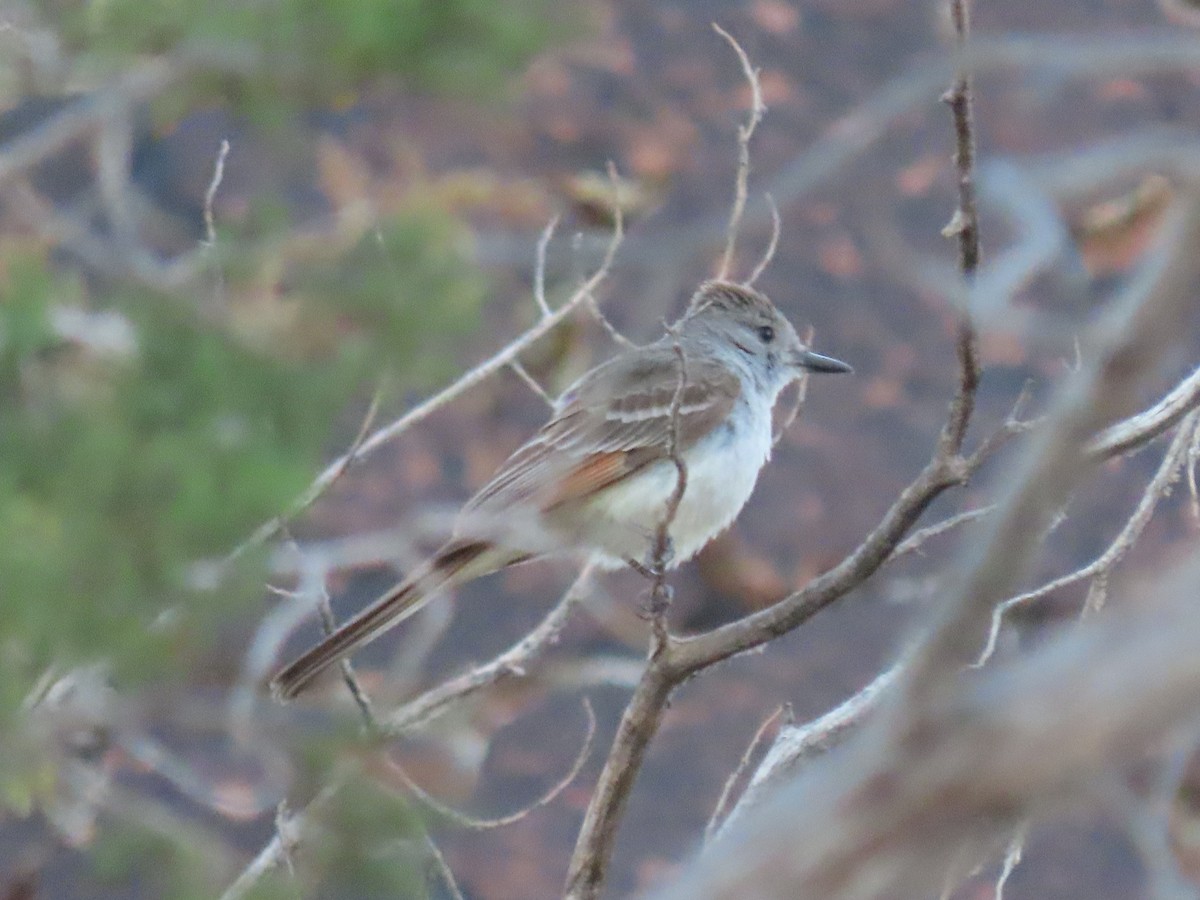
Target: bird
597, 477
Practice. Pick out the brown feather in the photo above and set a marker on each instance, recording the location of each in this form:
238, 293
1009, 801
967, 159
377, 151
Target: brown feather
612, 424
448, 566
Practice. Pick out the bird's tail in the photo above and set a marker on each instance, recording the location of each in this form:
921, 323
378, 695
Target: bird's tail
457, 562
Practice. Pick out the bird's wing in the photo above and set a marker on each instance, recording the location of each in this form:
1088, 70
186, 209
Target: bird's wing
613, 422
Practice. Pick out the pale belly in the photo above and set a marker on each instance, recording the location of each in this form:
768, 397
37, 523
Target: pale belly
721, 474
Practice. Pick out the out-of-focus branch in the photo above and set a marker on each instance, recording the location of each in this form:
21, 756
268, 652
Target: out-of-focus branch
1138, 430
886, 818
1129, 339
772, 244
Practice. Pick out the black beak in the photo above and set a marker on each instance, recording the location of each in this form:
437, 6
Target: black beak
815, 362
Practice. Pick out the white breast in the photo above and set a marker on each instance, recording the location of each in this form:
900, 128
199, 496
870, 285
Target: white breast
721, 473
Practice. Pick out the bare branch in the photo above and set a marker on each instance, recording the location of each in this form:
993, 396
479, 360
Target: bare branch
917, 539
1138, 430
1190, 468
618, 228
210, 195
891, 812
745, 132
357, 691
793, 412
660, 593
278, 851
1130, 337
475, 823
420, 711
720, 810
512, 661
530, 382
539, 271
795, 745
1012, 859
1168, 472
443, 868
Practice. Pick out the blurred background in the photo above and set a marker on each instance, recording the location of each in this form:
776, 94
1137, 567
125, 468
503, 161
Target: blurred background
181, 354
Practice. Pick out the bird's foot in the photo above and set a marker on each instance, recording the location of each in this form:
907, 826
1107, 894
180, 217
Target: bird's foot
656, 563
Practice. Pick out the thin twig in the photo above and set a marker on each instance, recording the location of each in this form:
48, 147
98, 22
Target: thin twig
530, 382
357, 691
793, 413
476, 823
772, 245
1193, 457
660, 593
618, 228
512, 662
1012, 859
539, 269
735, 777
797, 744
745, 132
443, 868
278, 851
1137, 430
210, 195
917, 539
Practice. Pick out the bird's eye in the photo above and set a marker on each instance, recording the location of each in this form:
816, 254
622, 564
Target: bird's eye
766, 333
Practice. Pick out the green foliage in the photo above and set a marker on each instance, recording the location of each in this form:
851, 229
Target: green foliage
372, 845
120, 469
117, 474
408, 290
319, 49
162, 867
